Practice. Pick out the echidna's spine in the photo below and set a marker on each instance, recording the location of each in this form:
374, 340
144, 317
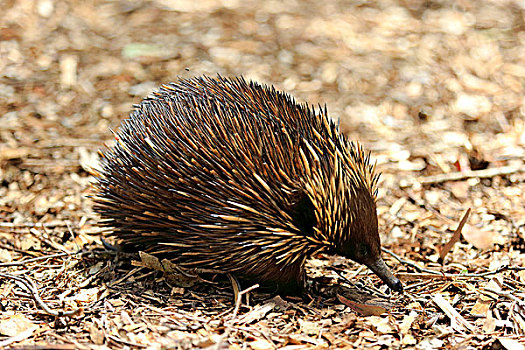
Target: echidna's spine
235, 176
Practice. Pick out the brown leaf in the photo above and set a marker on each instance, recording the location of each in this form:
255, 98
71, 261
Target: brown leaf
406, 324
459, 189
457, 321
96, 335
455, 237
258, 312
309, 327
381, 324
174, 274
511, 344
261, 344
15, 324
481, 239
490, 323
481, 308
363, 309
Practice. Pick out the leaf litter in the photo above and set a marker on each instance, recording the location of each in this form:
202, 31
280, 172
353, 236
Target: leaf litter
433, 88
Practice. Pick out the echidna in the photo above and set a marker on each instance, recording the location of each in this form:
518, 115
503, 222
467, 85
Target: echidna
238, 177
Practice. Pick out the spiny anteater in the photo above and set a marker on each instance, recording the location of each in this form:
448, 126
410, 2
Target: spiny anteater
238, 177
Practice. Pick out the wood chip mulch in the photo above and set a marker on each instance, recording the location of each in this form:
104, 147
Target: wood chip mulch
435, 89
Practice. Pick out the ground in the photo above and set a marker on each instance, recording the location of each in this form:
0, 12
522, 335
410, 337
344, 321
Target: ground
435, 89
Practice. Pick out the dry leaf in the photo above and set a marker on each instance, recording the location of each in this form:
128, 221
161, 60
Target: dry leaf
15, 324
457, 321
481, 239
149, 261
455, 237
363, 309
460, 189
511, 344
257, 313
519, 322
521, 274
5, 256
489, 326
96, 334
89, 161
406, 324
408, 339
481, 308
88, 295
28, 242
308, 327
174, 274
381, 324
261, 344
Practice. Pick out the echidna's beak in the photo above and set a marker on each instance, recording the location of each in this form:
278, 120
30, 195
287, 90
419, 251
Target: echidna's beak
380, 269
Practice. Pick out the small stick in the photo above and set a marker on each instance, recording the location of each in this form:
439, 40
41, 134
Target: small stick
448, 275
234, 315
508, 295
410, 263
366, 288
31, 224
20, 336
72, 235
42, 237
462, 175
457, 321
33, 291
455, 237
126, 342
435, 211
236, 287
239, 298
25, 262
167, 312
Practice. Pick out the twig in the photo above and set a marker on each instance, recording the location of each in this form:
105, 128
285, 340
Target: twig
458, 322
239, 298
461, 175
455, 237
427, 206
234, 315
410, 263
25, 262
448, 275
236, 286
72, 234
489, 273
66, 142
73, 346
31, 224
374, 291
113, 284
504, 294
20, 336
29, 286
175, 314
126, 342
42, 237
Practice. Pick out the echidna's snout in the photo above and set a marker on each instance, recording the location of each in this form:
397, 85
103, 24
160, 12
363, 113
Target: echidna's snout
380, 269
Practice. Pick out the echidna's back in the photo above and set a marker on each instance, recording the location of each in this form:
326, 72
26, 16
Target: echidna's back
207, 171
214, 173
